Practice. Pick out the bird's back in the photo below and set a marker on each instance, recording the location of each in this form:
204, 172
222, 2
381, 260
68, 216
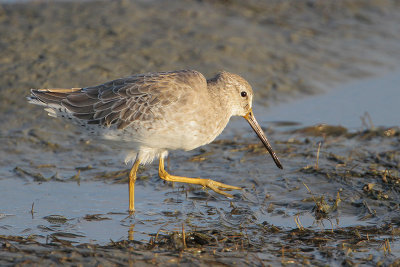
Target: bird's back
123, 101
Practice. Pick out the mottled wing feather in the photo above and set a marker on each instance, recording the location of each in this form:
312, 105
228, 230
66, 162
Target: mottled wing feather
80, 100
123, 101
49, 98
78, 110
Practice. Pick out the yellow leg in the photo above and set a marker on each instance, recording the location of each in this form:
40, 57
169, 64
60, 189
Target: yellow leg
132, 179
216, 186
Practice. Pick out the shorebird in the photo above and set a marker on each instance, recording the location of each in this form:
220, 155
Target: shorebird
156, 112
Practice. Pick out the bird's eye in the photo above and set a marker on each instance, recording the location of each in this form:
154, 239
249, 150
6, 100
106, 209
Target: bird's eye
243, 94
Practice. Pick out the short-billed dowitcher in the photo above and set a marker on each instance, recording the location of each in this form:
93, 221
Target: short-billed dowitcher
157, 112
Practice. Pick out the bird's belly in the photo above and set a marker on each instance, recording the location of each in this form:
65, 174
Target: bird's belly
187, 135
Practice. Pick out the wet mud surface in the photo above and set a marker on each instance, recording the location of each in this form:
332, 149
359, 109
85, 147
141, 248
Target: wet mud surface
64, 196
340, 205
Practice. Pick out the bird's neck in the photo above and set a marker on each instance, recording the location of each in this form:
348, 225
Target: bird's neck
222, 111
219, 97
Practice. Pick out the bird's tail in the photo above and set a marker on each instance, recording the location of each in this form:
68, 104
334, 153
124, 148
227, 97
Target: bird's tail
51, 99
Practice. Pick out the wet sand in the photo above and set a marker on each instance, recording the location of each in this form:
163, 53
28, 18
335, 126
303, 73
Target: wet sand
64, 197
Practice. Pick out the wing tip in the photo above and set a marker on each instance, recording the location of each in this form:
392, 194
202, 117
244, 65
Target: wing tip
55, 90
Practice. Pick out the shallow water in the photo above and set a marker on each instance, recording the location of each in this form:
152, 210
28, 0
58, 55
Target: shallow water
347, 105
62, 209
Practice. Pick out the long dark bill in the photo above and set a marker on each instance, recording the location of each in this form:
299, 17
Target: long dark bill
256, 127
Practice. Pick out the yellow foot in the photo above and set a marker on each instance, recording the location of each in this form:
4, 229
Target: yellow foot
217, 186
213, 185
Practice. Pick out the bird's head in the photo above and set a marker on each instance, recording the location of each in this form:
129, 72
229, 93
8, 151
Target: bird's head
241, 101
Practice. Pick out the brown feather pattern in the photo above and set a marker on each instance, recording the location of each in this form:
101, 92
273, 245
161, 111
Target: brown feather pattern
121, 101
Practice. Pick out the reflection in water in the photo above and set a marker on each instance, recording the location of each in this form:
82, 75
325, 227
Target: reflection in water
131, 231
